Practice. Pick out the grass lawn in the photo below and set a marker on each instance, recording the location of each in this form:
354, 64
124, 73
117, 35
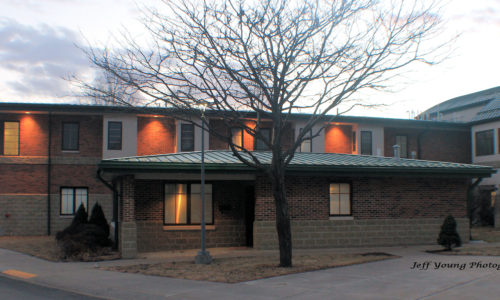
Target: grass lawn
46, 247
238, 269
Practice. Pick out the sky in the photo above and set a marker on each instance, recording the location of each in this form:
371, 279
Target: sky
41, 42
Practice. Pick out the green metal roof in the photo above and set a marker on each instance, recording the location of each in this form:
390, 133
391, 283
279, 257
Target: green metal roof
303, 162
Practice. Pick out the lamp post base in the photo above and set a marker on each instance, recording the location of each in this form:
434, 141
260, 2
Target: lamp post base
203, 258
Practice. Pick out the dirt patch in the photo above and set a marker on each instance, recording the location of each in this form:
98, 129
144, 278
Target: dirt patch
487, 234
239, 269
46, 247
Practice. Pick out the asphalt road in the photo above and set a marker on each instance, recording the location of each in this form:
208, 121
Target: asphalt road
16, 289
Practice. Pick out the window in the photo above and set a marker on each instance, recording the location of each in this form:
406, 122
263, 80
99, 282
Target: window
259, 144
484, 142
237, 137
187, 137
340, 199
114, 135
9, 138
70, 133
366, 142
402, 142
306, 145
71, 198
183, 204
354, 141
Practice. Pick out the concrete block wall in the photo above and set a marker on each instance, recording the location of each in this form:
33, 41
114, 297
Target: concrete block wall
356, 233
23, 214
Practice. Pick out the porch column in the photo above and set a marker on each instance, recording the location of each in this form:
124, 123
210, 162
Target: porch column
128, 228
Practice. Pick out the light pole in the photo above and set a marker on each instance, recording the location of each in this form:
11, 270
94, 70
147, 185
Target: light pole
203, 256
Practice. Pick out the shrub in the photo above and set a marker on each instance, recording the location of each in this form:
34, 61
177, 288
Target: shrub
448, 237
84, 237
79, 218
97, 218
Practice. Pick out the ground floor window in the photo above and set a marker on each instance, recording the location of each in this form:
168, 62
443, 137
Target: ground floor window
183, 204
340, 199
71, 198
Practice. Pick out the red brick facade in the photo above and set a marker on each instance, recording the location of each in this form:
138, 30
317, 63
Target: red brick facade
229, 226
155, 135
435, 144
371, 198
338, 139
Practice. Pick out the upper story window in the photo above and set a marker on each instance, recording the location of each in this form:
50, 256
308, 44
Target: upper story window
306, 145
484, 142
366, 143
187, 137
9, 138
183, 204
70, 136
259, 144
237, 137
402, 142
340, 199
114, 135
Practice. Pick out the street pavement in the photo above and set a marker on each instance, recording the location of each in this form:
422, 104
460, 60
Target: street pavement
17, 289
415, 275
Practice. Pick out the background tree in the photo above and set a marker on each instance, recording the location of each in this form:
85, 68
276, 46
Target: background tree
270, 58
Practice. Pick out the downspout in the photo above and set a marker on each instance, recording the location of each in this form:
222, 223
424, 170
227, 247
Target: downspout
469, 203
419, 146
49, 167
115, 205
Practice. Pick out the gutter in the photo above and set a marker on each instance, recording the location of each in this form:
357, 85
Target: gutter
115, 205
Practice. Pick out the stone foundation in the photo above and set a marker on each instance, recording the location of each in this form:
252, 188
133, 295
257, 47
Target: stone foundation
357, 233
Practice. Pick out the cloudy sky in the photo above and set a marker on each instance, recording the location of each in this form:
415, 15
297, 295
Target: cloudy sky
40, 40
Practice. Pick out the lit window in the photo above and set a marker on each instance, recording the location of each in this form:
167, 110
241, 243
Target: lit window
484, 142
10, 137
114, 135
183, 204
366, 143
402, 142
306, 145
70, 132
354, 141
340, 199
187, 137
259, 144
237, 137
72, 198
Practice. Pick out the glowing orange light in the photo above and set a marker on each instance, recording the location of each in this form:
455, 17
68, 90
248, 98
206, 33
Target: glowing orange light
178, 210
27, 113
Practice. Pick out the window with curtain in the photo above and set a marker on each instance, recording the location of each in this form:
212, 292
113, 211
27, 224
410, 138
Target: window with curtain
183, 204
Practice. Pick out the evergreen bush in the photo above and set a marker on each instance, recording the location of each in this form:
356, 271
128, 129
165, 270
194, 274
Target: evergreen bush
97, 218
448, 237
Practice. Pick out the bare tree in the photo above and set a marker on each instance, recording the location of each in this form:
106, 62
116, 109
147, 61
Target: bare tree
272, 58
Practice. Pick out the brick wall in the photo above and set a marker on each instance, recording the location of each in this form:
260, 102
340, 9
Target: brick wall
229, 223
441, 145
90, 135
372, 198
338, 139
385, 211
155, 135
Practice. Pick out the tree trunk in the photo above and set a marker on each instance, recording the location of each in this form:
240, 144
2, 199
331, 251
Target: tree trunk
282, 214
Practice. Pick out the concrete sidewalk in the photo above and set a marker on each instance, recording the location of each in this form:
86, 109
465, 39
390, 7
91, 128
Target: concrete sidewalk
389, 279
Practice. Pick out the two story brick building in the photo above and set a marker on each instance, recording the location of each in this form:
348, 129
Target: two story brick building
51, 155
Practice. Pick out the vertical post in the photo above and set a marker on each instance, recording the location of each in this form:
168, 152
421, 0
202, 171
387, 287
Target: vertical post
203, 256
